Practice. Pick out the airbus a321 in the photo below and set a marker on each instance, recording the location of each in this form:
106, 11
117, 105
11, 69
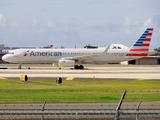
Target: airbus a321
77, 57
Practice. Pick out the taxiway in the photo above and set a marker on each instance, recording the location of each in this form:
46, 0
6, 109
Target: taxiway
98, 71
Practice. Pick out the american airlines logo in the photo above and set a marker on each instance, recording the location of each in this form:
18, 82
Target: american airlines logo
32, 53
25, 54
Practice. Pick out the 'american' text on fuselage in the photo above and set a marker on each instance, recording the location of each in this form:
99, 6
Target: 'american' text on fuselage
32, 53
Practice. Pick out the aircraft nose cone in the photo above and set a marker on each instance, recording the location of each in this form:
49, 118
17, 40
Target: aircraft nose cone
5, 58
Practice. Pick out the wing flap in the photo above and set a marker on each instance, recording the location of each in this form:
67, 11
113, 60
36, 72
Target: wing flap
84, 57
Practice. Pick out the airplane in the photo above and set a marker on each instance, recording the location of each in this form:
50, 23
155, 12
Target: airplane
48, 46
77, 57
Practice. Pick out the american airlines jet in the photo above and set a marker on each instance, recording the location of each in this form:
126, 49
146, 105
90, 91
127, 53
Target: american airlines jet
77, 57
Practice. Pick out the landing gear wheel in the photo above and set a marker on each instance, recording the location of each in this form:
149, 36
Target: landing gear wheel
19, 67
76, 67
81, 67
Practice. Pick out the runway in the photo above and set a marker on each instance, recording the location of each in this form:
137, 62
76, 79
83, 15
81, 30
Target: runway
98, 71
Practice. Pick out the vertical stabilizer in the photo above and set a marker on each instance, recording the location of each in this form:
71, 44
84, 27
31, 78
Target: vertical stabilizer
141, 46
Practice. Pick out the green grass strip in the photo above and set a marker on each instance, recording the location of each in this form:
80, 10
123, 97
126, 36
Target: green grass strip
15, 91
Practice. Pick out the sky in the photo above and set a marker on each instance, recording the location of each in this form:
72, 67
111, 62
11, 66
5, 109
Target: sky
70, 23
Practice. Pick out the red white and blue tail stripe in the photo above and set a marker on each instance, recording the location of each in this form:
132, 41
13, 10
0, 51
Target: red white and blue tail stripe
141, 46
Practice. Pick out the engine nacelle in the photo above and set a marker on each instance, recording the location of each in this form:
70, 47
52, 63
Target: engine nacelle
66, 63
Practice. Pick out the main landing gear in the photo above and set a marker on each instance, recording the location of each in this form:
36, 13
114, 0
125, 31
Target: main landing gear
20, 66
81, 67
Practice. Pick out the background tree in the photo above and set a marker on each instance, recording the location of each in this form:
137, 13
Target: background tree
90, 46
157, 49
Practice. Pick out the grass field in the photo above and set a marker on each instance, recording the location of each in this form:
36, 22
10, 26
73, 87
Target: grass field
78, 91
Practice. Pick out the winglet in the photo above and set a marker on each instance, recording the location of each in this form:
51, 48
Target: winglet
106, 50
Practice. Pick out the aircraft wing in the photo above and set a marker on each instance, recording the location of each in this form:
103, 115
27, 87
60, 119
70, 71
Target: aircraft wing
84, 57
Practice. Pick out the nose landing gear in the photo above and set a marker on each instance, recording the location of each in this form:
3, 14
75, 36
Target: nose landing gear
20, 66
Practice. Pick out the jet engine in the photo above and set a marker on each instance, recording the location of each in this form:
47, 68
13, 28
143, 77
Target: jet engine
66, 63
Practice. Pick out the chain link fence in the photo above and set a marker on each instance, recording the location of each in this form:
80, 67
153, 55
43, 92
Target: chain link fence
81, 111
80, 114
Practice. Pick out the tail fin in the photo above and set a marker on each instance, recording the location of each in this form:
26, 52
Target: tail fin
141, 46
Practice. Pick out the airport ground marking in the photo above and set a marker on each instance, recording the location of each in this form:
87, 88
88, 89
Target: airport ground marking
69, 78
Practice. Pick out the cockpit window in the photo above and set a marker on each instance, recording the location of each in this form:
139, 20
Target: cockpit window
116, 47
11, 53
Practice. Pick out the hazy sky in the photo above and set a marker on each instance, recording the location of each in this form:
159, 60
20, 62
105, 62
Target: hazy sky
77, 22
